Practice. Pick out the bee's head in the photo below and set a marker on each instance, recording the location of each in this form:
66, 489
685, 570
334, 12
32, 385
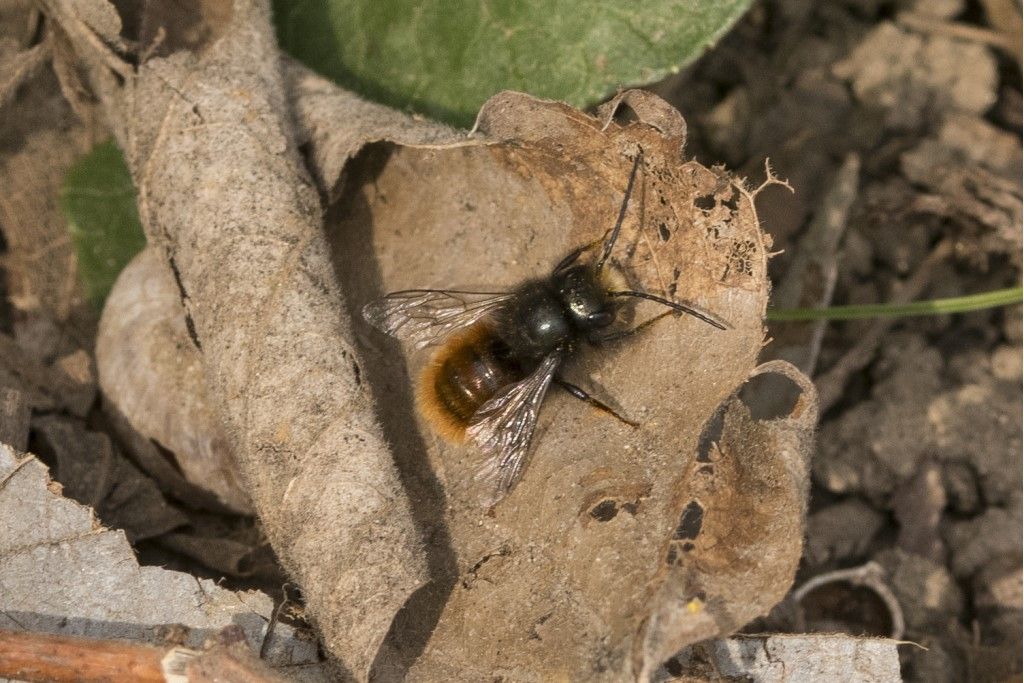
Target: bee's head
583, 297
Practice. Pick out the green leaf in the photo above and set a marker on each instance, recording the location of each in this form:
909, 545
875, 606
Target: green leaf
98, 201
444, 58
959, 304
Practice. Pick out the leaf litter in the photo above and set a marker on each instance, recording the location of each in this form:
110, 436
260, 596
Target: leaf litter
917, 414
61, 572
599, 561
144, 356
256, 283
582, 555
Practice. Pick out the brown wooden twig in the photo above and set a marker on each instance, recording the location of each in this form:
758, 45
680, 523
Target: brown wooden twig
45, 657
53, 658
811, 278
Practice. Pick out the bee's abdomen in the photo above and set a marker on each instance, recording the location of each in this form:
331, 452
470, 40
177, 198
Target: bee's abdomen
467, 380
467, 372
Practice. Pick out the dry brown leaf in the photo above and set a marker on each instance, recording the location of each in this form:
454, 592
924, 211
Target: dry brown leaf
18, 66
14, 418
321, 105
580, 572
41, 269
782, 658
61, 572
227, 556
594, 567
97, 474
39, 139
19, 21
152, 372
61, 384
224, 194
158, 462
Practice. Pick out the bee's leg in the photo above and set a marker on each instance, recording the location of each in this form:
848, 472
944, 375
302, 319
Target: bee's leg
615, 336
576, 392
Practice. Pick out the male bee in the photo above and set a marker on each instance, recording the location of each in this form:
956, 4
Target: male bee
500, 351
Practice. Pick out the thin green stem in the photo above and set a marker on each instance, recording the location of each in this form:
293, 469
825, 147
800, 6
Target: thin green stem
959, 304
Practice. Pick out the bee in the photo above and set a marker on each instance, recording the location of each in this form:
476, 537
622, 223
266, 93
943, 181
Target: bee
500, 351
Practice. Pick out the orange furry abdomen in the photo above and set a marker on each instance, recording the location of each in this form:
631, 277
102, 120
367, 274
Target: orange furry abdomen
464, 373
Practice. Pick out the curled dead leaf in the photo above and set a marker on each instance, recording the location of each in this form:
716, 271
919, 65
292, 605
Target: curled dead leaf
224, 195
739, 559
151, 372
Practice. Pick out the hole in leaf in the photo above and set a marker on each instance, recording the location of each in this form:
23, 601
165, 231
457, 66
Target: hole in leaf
690, 522
674, 285
842, 606
605, 511
705, 202
674, 668
733, 202
770, 396
664, 232
624, 115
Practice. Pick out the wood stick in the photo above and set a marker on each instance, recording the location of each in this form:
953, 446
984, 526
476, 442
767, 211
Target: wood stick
50, 658
31, 656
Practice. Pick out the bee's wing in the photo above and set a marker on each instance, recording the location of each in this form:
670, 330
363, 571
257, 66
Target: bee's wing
426, 316
503, 426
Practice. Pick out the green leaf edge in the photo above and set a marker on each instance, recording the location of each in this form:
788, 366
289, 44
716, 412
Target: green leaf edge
391, 97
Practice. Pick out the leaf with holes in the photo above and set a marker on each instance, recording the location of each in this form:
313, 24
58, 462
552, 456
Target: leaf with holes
444, 59
619, 546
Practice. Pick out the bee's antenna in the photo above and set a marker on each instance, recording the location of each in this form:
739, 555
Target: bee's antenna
682, 308
610, 243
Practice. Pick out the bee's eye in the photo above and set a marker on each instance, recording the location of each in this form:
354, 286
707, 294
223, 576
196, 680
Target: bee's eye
602, 318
